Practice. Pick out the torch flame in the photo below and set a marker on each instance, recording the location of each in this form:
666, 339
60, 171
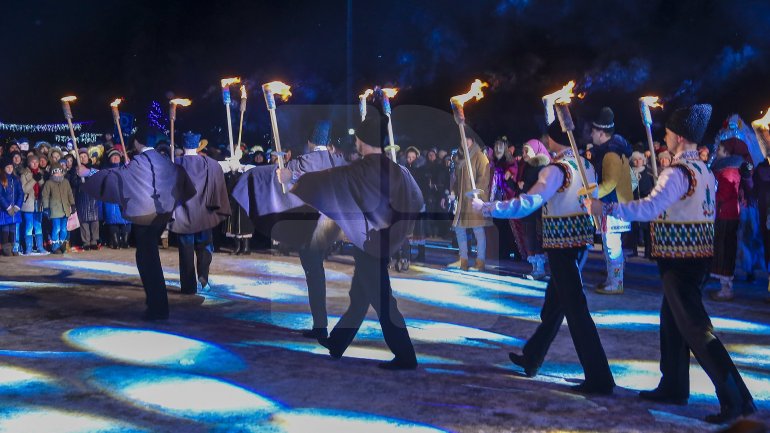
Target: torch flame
227, 82
764, 122
367, 93
652, 101
69, 98
182, 102
244, 95
278, 88
474, 92
116, 102
564, 95
389, 92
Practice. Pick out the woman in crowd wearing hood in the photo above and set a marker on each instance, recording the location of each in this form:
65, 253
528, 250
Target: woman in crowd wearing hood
530, 228
11, 199
733, 173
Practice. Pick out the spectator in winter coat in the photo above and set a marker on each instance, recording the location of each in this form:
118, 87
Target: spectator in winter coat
11, 199
733, 173
58, 205
32, 182
118, 228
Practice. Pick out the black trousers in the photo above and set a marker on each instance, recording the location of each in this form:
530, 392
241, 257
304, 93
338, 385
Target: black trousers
195, 254
564, 297
311, 256
7, 237
149, 266
371, 286
119, 234
685, 326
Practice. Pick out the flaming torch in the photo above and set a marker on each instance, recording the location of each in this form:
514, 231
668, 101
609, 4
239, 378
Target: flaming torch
116, 118
226, 83
65, 104
762, 131
244, 97
386, 94
459, 113
645, 103
284, 91
172, 118
562, 99
362, 102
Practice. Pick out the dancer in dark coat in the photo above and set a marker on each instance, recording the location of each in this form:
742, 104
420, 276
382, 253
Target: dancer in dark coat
375, 202
147, 190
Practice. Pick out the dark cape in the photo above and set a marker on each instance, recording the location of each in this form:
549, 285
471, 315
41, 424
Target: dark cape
283, 217
147, 190
210, 204
373, 200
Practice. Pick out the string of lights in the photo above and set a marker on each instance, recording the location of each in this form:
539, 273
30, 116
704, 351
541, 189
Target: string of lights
39, 128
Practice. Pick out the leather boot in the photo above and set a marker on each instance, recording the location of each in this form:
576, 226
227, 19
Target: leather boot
462, 264
237, 248
480, 266
114, 244
246, 251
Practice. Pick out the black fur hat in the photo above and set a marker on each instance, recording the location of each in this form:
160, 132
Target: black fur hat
690, 122
372, 130
605, 121
556, 134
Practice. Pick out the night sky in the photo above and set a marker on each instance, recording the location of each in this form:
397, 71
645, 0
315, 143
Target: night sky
686, 51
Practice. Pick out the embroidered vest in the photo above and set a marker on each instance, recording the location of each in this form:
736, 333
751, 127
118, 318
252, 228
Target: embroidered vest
686, 229
566, 223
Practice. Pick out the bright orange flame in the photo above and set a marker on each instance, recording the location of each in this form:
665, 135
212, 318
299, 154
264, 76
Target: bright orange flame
581, 95
651, 101
116, 102
278, 88
390, 92
367, 93
69, 98
226, 82
564, 95
764, 122
182, 102
244, 95
474, 92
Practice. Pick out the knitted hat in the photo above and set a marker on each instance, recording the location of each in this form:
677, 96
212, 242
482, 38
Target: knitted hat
191, 140
112, 153
605, 120
690, 122
5, 163
57, 169
413, 149
556, 134
83, 150
321, 133
372, 130
32, 157
665, 154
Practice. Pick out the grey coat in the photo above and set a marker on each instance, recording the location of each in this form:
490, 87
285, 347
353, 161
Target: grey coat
210, 205
147, 190
31, 203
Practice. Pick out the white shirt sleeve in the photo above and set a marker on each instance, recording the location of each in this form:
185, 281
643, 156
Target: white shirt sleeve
672, 185
549, 180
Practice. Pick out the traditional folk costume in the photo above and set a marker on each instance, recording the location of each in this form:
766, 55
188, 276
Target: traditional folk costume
194, 219
147, 190
681, 208
567, 231
292, 222
614, 177
375, 202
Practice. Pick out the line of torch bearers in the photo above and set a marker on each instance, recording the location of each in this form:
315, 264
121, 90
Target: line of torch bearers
556, 108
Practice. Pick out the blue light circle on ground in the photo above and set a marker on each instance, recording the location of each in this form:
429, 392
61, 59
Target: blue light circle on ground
154, 348
46, 420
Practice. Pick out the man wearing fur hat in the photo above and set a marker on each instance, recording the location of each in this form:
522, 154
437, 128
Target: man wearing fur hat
682, 208
148, 189
567, 231
611, 153
298, 225
375, 202
194, 219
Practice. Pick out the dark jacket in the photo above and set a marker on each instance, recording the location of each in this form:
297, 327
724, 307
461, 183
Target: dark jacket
210, 205
147, 189
373, 200
11, 195
87, 206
